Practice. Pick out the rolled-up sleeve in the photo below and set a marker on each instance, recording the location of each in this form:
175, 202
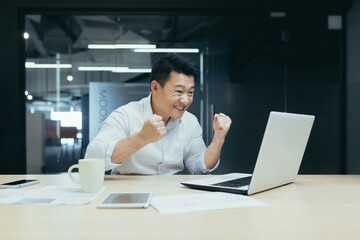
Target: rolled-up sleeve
113, 129
195, 158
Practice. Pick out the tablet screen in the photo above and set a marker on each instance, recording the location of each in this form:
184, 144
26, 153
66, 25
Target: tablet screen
126, 199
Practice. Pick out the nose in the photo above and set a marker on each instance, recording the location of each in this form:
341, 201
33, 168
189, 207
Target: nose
185, 100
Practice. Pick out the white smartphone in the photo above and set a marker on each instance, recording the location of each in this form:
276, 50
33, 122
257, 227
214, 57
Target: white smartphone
126, 200
19, 183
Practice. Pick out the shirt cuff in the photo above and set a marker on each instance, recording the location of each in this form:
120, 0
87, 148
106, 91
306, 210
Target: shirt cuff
204, 168
107, 151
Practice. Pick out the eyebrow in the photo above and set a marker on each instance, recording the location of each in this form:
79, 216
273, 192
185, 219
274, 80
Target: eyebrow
182, 86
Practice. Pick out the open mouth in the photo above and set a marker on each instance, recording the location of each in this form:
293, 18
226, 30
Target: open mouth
179, 108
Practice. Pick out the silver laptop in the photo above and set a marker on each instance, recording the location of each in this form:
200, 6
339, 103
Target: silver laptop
278, 162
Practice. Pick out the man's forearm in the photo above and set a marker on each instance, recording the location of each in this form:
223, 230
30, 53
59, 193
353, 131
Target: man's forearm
212, 153
127, 146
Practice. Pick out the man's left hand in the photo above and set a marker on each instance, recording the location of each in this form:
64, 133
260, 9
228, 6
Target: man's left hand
221, 125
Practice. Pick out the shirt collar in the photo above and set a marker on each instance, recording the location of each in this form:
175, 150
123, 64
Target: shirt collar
147, 107
172, 123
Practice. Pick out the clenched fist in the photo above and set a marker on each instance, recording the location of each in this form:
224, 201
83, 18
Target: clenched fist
153, 129
221, 125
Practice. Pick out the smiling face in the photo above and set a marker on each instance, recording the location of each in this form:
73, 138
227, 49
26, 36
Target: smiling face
174, 98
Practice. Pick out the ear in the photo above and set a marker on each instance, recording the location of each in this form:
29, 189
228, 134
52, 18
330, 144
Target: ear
155, 86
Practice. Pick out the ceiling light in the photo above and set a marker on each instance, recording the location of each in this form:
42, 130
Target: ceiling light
26, 35
278, 14
169, 50
34, 65
134, 70
29, 97
26, 93
334, 22
120, 46
93, 68
69, 78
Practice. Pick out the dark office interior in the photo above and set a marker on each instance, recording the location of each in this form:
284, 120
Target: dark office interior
257, 56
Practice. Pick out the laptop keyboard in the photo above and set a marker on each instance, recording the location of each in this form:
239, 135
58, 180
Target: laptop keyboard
239, 182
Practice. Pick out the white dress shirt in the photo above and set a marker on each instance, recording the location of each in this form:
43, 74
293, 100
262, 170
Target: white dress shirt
182, 145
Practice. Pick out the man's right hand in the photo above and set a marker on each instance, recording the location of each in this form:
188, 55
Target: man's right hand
153, 129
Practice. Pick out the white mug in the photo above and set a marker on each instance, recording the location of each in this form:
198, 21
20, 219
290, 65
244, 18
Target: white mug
91, 174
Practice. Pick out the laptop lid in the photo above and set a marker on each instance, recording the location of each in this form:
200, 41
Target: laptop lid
280, 155
282, 149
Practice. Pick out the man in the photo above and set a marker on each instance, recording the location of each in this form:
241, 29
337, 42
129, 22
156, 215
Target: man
156, 135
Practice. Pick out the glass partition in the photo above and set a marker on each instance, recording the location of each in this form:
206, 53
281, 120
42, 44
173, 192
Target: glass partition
250, 64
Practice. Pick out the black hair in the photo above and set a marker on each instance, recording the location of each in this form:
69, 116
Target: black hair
172, 62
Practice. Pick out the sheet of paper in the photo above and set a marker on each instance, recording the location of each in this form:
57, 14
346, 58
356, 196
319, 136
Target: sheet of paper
202, 202
50, 195
8, 196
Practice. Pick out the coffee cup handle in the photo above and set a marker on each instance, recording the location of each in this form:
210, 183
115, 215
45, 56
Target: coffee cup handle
71, 176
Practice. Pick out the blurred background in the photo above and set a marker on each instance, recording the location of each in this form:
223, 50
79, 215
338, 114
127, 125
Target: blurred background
66, 66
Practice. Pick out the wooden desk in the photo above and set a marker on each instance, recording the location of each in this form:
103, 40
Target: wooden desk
315, 207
